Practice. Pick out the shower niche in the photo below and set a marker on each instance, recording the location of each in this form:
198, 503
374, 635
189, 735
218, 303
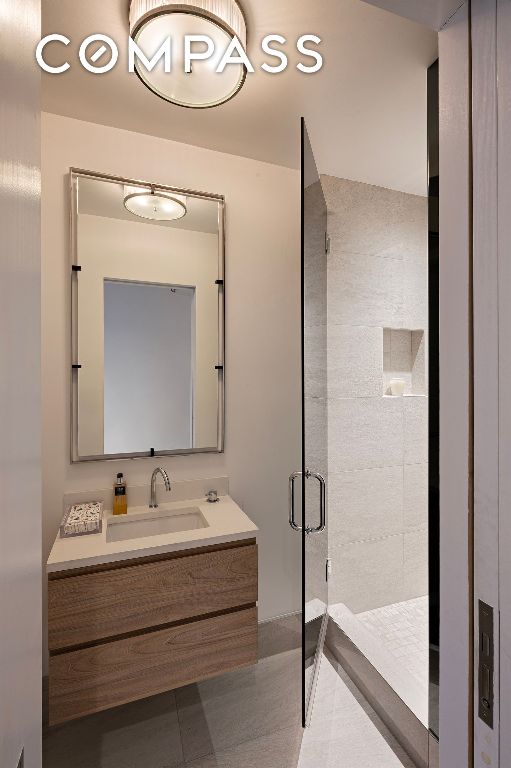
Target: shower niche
404, 362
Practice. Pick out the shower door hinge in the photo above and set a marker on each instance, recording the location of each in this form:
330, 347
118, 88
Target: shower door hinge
327, 243
328, 572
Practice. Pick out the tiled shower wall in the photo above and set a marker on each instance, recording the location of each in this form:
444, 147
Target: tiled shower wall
378, 445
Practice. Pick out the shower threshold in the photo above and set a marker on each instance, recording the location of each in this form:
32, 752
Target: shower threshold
394, 639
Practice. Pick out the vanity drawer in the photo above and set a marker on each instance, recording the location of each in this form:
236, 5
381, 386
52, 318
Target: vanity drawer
128, 598
109, 674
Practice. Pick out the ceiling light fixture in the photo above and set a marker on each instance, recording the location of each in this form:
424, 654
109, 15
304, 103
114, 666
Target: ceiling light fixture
154, 204
153, 21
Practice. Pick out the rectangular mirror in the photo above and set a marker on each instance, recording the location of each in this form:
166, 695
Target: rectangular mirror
147, 319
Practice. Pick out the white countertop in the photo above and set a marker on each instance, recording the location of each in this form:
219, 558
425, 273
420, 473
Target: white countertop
226, 522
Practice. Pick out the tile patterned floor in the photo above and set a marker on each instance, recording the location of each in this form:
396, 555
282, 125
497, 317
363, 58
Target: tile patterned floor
344, 730
249, 718
245, 719
403, 629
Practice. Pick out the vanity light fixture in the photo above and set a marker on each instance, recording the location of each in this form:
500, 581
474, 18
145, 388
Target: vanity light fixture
153, 21
154, 204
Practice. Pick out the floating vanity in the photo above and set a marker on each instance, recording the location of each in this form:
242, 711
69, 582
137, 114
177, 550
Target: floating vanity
159, 599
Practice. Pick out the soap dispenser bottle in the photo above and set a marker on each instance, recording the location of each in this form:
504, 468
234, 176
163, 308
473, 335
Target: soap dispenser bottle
120, 496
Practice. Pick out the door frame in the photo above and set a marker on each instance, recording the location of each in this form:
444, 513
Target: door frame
491, 34
504, 288
452, 20
485, 153
456, 438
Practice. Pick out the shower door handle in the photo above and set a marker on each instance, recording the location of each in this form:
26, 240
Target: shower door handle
292, 522
322, 501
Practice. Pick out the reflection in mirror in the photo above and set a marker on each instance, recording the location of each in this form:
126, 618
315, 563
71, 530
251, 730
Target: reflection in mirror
147, 319
142, 321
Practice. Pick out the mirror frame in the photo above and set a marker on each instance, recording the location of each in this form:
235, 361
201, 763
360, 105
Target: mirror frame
74, 175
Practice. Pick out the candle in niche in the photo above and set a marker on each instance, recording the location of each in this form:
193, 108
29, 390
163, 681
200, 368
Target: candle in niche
397, 387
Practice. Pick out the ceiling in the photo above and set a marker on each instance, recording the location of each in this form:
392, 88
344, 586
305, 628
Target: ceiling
365, 110
97, 197
434, 13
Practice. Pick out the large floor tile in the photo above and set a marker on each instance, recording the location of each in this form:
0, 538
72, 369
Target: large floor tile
218, 714
345, 731
144, 734
275, 750
434, 753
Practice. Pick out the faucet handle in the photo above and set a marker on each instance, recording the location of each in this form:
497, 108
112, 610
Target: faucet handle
212, 496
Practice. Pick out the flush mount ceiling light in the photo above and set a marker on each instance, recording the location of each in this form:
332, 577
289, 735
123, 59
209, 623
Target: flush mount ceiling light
153, 21
154, 204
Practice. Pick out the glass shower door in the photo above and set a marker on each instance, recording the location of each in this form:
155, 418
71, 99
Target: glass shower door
312, 476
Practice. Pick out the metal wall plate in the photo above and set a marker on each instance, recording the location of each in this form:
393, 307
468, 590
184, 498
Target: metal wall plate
486, 663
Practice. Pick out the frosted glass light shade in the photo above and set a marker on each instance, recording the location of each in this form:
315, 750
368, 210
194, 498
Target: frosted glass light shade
154, 204
152, 21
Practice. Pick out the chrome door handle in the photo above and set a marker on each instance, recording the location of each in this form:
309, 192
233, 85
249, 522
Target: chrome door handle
322, 501
292, 522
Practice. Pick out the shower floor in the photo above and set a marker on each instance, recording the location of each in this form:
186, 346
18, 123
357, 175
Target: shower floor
395, 640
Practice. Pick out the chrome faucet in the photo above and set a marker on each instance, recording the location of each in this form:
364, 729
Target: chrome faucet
152, 501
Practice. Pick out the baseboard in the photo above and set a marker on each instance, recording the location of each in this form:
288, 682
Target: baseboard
281, 634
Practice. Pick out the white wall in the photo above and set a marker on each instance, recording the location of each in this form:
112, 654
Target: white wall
378, 445
20, 409
262, 332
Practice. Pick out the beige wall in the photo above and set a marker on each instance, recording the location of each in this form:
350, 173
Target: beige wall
262, 332
20, 388
129, 250
378, 445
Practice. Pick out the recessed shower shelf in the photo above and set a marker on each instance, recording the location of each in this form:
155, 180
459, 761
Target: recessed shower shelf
406, 395
404, 362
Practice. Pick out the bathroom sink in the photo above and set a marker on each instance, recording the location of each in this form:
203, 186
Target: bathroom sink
154, 522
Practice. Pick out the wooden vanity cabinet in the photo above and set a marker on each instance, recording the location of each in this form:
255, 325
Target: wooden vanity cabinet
127, 630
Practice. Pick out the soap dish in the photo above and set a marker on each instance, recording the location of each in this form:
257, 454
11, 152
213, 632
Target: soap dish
82, 519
